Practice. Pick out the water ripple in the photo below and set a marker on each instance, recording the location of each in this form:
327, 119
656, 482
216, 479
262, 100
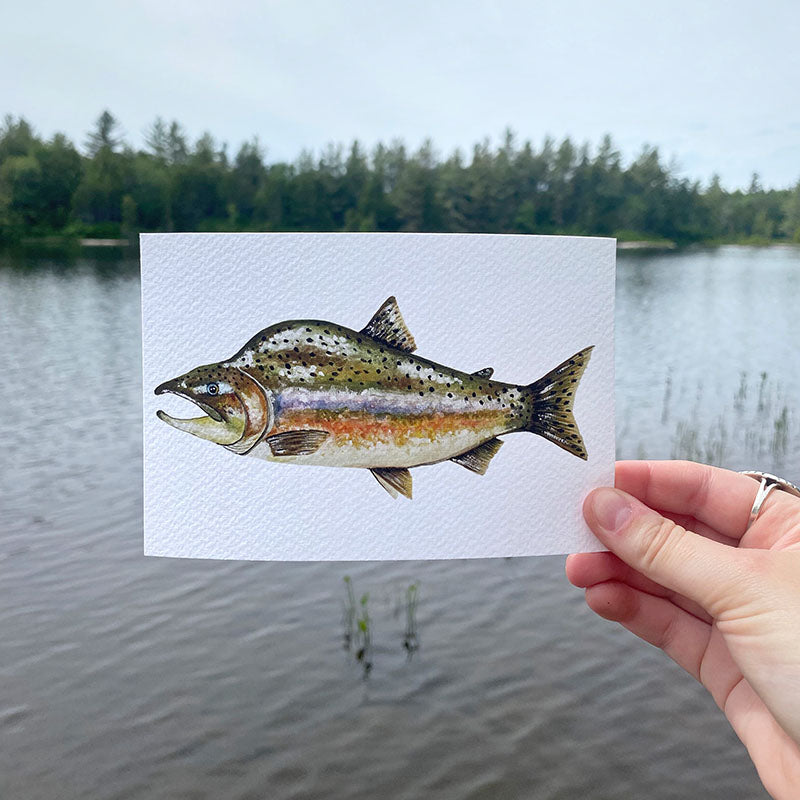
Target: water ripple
126, 677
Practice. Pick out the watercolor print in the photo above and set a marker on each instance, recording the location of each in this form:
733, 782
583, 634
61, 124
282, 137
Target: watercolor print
311, 392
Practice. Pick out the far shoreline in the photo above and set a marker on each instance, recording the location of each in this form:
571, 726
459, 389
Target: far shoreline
57, 241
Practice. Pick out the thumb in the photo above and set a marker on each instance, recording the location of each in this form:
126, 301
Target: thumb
698, 568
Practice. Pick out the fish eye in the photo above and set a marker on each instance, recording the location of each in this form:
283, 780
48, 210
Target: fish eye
212, 388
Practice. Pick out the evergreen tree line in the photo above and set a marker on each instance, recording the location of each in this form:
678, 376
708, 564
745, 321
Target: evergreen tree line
50, 187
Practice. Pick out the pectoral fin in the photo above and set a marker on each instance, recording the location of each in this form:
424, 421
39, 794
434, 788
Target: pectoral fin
477, 459
296, 443
394, 480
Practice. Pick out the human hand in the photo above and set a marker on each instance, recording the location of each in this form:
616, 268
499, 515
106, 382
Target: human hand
724, 604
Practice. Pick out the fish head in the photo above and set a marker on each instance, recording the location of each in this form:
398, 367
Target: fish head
237, 410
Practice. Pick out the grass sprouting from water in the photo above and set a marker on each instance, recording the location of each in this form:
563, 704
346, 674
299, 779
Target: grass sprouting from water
359, 628
759, 426
756, 427
410, 638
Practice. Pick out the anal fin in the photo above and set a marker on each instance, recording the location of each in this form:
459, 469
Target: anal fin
477, 460
296, 443
394, 480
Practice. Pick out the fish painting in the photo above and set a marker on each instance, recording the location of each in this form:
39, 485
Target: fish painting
314, 392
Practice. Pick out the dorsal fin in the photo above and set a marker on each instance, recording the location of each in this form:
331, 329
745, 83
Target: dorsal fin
477, 459
388, 326
486, 372
394, 480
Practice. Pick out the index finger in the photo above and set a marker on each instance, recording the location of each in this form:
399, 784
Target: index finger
720, 498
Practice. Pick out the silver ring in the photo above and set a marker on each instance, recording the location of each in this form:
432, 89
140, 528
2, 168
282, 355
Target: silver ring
768, 482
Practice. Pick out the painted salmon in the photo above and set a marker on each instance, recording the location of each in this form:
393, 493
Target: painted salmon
311, 392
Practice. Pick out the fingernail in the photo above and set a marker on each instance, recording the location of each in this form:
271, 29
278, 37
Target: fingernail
611, 509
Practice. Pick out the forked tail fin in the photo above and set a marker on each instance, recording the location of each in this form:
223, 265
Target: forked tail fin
551, 400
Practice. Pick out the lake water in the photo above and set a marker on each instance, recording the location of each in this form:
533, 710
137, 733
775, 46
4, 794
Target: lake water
126, 677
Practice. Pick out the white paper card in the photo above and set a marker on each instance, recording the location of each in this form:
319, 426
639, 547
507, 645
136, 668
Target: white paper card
275, 461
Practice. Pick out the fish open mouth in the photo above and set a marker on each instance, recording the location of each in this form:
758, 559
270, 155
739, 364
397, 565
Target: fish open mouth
213, 426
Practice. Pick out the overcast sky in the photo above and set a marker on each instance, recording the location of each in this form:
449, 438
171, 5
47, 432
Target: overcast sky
716, 85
